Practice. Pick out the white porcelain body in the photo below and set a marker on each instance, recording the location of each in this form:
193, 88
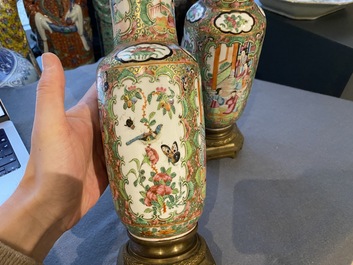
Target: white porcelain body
149, 93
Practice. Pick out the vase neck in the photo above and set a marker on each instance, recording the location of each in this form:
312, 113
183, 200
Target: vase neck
137, 21
228, 3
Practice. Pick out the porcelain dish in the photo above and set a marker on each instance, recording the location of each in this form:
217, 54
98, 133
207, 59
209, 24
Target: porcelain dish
303, 9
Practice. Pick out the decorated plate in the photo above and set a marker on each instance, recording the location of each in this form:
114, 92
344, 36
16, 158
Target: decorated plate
303, 9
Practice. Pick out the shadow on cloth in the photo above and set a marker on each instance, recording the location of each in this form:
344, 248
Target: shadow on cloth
308, 220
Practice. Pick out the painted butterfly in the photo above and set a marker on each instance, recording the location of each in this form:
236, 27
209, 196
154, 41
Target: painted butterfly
173, 153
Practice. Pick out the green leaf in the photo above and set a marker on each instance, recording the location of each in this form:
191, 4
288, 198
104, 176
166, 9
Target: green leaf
152, 122
188, 151
199, 176
137, 162
160, 96
132, 171
140, 220
136, 182
185, 108
191, 190
144, 120
149, 98
148, 210
151, 115
171, 198
169, 171
160, 200
155, 204
138, 95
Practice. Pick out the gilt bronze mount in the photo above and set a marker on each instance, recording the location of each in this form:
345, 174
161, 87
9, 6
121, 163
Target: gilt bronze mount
190, 249
224, 142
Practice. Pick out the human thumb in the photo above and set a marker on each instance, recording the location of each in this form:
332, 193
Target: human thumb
50, 92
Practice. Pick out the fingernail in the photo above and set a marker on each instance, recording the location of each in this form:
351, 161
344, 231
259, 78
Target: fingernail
45, 60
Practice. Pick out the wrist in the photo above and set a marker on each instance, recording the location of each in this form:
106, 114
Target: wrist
24, 225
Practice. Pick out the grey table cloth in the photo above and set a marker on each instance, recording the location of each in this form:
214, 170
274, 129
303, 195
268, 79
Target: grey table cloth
286, 199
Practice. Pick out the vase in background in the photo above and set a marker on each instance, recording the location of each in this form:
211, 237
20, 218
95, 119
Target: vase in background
103, 14
63, 28
181, 7
104, 21
226, 38
15, 70
149, 97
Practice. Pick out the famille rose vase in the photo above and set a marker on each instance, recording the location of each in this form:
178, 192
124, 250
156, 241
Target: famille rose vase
103, 14
149, 95
226, 38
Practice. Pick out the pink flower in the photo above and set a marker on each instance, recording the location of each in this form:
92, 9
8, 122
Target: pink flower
151, 195
162, 177
164, 190
152, 155
154, 190
161, 89
130, 88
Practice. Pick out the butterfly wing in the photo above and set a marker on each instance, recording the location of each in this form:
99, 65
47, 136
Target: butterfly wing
172, 153
166, 150
175, 147
176, 153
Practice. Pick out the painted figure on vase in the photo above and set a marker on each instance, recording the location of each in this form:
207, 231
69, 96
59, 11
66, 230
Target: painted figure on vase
62, 27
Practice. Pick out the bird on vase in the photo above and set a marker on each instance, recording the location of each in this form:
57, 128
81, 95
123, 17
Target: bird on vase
147, 137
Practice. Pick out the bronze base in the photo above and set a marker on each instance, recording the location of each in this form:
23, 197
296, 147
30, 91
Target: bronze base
225, 142
190, 249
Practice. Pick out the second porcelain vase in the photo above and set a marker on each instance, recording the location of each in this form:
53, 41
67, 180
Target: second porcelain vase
226, 37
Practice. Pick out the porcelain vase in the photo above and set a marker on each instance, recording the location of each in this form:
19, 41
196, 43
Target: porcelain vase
104, 20
63, 28
102, 10
226, 38
15, 70
149, 94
